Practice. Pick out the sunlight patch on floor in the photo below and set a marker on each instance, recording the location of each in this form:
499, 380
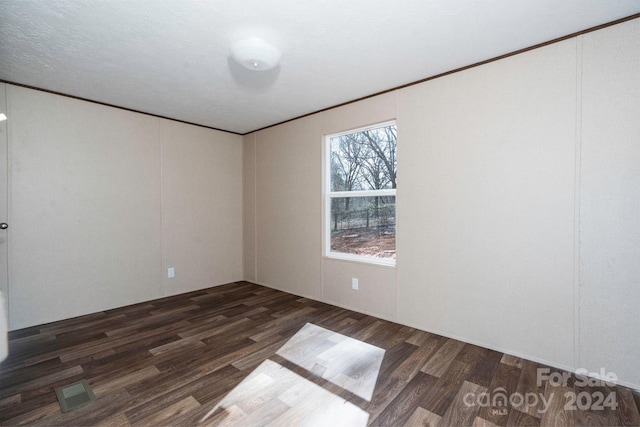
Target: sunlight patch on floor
274, 395
346, 362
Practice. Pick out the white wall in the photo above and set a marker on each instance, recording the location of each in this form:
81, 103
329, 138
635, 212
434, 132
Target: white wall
289, 220
487, 164
517, 205
249, 208
609, 294
99, 199
201, 207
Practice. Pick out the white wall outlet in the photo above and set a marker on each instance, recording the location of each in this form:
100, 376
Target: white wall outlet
354, 283
171, 273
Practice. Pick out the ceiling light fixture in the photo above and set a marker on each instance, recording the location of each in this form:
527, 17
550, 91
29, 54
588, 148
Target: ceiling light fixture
255, 54
2, 117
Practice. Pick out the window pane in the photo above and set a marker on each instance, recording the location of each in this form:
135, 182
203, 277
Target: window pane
364, 226
364, 160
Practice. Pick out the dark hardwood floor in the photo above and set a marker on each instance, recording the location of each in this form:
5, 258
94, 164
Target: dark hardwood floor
249, 355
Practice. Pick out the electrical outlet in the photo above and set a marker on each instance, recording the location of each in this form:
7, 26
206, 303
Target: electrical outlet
354, 283
171, 273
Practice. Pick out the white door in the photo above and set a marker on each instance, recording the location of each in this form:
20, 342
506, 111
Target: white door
4, 231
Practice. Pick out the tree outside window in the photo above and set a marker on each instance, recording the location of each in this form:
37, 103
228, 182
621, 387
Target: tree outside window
361, 200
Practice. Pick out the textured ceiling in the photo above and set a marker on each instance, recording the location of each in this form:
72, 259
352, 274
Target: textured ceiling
171, 58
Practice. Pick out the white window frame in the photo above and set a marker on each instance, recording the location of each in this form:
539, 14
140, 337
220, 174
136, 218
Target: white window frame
328, 195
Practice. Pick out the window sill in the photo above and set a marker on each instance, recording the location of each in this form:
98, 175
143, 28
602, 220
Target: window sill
377, 262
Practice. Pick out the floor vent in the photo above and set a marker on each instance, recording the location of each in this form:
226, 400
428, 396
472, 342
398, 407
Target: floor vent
74, 395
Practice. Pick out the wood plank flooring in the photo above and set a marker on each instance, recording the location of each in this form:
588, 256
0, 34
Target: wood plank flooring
249, 355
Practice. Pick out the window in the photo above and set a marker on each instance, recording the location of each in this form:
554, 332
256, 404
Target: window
360, 202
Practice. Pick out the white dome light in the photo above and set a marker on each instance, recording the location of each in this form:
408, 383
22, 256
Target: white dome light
255, 54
